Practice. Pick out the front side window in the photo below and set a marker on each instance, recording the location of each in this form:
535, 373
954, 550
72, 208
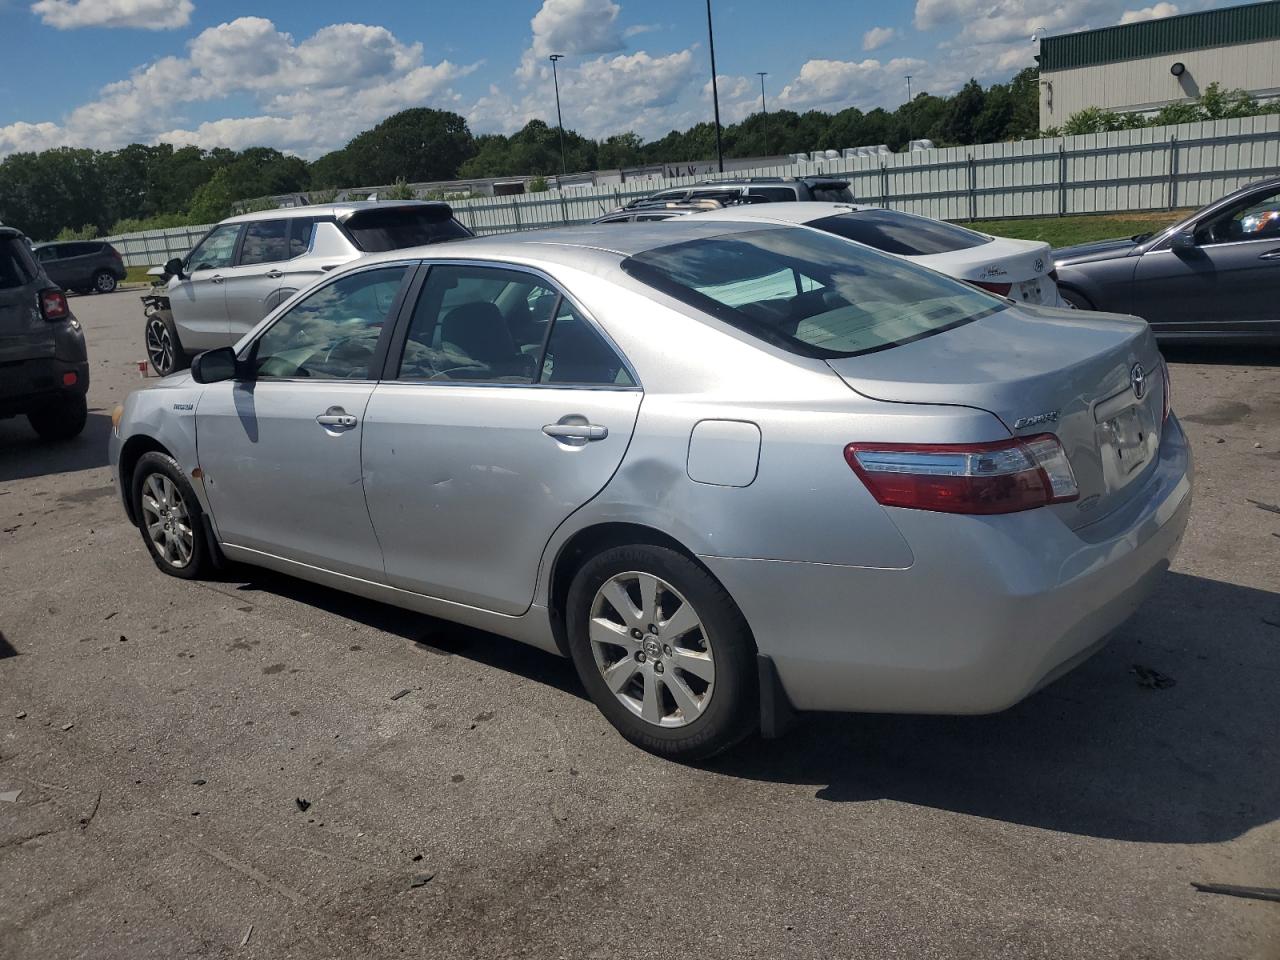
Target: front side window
265, 241
216, 250
332, 334
1257, 218
901, 233
494, 325
810, 292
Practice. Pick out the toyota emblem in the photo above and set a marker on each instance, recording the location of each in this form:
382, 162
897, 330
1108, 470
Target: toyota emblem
1138, 378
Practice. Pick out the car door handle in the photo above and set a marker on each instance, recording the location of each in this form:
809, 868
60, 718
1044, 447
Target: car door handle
274, 274
1271, 255
576, 432
336, 417
216, 278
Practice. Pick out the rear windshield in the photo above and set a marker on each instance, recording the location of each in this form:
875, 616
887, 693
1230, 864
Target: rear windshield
831, 192
810, 292
901, 233
374, 231
16, 268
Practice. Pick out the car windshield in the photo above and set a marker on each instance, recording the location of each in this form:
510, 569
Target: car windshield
810, 292
374, 231
901, 233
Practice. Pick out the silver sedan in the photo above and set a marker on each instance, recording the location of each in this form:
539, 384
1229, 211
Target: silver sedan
731, 470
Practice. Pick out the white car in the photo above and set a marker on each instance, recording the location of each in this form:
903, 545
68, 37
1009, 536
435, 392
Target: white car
1021, 270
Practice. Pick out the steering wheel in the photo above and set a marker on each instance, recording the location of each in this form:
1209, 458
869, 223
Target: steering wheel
353, 374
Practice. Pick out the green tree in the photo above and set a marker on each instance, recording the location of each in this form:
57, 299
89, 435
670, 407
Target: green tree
417, 144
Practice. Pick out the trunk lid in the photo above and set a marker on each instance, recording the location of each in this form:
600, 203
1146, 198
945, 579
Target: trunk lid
1023, 264
1063, 372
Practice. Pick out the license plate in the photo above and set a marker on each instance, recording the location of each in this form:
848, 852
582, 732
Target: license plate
1128, 439
1030, 290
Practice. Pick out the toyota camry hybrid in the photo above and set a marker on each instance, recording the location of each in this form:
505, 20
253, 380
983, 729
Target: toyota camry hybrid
730, 469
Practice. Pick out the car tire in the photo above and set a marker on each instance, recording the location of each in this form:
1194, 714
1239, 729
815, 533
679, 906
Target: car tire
60, 419
684, 694
104, 282
1075, 300
169, 516
164, 349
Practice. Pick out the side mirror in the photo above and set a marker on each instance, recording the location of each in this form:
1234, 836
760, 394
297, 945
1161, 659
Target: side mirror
174, 268
1183, 240
215, 366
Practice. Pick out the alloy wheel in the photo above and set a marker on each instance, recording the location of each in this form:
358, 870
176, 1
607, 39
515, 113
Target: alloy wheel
160, 346
105, 283
652, 649
167, 521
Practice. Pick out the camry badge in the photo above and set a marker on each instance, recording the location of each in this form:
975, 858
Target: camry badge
1138, 378
1049, 416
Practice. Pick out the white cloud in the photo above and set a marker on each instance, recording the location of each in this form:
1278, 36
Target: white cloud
575, 27
1154, 12
836, 84
877, 37
146, 14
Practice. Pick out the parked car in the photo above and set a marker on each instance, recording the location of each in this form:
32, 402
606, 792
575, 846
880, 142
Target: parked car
758, 190
657, 210
1021, 270
85, 266
44, 368
247, 265
728, 468
1211, 276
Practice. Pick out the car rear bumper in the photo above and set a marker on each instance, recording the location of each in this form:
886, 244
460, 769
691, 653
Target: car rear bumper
26, 384
993, 608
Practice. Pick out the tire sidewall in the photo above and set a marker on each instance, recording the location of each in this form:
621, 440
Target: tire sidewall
733, 712
62, 419
180, 361
155, 462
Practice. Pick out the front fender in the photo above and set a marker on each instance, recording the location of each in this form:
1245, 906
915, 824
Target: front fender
163, 415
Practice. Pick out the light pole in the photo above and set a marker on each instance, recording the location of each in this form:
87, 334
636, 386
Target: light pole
764, 110
908, 88
715, 90
564, 168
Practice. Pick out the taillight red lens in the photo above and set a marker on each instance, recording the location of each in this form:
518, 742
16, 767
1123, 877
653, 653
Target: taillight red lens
999, 289
53, 305
1006, 476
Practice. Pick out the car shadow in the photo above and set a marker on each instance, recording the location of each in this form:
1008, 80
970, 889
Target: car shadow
1259, 355
1102, 753
23, 454
430, 634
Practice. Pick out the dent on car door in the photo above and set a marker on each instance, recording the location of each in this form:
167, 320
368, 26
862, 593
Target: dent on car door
197, 299
280, 450
1223, 279
504, 411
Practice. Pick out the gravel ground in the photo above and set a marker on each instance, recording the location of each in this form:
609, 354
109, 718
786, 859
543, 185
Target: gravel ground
165, 736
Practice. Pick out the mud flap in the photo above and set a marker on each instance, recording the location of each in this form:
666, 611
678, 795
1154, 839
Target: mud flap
777, 715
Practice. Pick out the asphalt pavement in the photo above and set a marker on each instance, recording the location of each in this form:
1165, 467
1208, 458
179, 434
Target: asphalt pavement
222, 768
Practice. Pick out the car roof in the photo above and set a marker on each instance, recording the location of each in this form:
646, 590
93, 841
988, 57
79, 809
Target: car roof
10, 232
337, 210
801, 212
598, 244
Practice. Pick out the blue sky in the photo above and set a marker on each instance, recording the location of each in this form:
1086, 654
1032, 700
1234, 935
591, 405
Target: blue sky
305, 77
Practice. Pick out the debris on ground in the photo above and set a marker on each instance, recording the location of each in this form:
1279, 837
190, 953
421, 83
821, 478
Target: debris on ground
421, 880
1257, 446
67, 726
417, 857
93, 811
247, 934
111, 614
303, 805
10, 796
1232, 890
123, 638
1151, 679
1269, 507
198, 783
402, 693
20, 715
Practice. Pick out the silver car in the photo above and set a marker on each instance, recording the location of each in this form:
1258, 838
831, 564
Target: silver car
248, 265
730, 469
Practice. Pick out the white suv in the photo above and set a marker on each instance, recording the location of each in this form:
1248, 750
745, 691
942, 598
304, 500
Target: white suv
248, 265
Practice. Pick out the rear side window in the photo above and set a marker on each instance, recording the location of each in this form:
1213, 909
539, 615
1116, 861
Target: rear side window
773, 194
374, 231
809, 292
901, 233
16, 268
265, 241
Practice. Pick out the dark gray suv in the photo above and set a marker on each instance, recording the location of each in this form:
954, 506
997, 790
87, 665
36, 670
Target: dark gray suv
82, 265
44, 369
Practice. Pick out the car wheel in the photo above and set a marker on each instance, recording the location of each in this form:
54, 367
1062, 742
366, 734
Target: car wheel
60, 419
663, 651
168, 515
164, 349
1077, 301
104, 282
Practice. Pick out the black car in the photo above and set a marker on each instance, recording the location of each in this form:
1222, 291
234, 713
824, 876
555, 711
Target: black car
44, 368
82, 265
1213, 276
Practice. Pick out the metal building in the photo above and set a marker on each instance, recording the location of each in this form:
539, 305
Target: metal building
1141, 67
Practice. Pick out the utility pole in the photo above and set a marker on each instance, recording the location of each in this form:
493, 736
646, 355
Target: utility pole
564, 168
715, 90
908, 88
765, 110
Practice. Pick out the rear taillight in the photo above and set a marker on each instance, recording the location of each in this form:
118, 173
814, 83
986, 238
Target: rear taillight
53, 305
1168, 389
999, 289
1006, 476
